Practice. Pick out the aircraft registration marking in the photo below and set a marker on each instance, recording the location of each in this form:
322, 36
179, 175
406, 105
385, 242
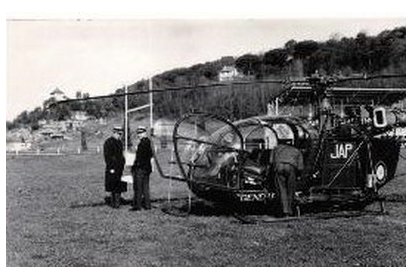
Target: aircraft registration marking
244, 197
341, 150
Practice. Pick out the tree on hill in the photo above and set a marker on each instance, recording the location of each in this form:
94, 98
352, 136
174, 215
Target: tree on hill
274, 61
276, 57
249, 64
305, 49
10, 125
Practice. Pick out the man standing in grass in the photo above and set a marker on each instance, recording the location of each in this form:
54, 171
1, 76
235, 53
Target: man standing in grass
288, 163
115, 162
141, 169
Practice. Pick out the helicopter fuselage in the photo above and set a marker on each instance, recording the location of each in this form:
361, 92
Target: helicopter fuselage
342, 166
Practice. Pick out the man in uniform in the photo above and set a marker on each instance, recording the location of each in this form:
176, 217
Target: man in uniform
115, 162
288, 163
141, 169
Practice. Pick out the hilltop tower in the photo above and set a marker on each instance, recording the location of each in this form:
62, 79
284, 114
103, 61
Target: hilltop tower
58, 95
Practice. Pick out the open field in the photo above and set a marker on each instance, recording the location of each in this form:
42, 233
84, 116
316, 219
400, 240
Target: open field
56, 217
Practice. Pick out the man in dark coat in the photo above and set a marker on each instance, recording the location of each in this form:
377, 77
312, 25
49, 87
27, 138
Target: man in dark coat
141, 169
288, 163
115, 162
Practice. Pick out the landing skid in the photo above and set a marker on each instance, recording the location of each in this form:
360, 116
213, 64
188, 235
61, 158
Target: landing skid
182, 209
248, 219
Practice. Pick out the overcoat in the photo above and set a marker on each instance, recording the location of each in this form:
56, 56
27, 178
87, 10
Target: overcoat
143, 157
115, 162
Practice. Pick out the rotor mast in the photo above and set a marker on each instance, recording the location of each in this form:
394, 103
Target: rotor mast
321, 101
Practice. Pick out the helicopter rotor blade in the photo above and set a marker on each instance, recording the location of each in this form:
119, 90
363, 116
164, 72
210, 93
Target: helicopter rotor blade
168, 89
367, 78
387, 92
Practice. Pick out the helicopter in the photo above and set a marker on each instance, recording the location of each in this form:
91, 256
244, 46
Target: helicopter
343, 133
347, 150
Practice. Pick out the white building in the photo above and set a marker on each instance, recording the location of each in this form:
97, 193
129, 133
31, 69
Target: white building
58, 95
79, 116
41, 123
18, 146
228, 73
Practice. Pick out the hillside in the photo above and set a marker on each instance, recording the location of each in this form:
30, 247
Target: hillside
381, 54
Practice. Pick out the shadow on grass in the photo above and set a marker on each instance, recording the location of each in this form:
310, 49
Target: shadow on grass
123, 201
182, 208
267, 215
106, 202
87, 205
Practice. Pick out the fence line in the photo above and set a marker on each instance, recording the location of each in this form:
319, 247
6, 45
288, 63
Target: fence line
59, 151
55, 152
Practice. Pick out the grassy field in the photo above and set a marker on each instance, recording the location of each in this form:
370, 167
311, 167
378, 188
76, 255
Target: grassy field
56, 217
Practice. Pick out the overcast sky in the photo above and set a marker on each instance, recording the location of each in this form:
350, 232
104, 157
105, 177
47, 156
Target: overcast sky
97, 56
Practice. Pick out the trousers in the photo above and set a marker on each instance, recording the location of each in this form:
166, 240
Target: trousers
115, 201
287, 181
141, 193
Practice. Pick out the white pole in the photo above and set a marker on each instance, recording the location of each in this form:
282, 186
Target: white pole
189, 200
170, 180
126, 118
151, 103
276, 106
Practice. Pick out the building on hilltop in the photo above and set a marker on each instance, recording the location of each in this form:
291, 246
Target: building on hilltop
58, 95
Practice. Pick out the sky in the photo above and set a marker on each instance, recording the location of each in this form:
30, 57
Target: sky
98, 56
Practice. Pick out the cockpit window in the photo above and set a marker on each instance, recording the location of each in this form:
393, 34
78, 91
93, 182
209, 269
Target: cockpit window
261, 137
208, 148
284, 133
229, 139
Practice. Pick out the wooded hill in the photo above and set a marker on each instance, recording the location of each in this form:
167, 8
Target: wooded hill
381, 54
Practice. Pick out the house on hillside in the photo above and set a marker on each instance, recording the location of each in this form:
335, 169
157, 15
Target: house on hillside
78, 119
42, 122
19, 140
229, 73
79, 116
103, 121
18, 146
19, 135
58, 95
54, 127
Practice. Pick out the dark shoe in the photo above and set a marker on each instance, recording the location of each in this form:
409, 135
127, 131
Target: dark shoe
108, 200
135, 209
124, 201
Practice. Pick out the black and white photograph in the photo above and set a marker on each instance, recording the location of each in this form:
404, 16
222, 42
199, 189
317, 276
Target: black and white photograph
205, 142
